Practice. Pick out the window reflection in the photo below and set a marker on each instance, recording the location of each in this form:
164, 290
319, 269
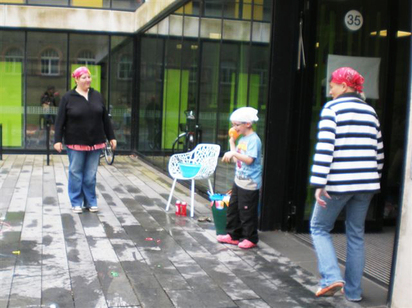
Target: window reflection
121, 89
197, 60
50, 62
46, 81
11, 88
86, 58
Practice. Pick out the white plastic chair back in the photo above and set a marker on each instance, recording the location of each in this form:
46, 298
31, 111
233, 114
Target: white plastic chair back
204, 154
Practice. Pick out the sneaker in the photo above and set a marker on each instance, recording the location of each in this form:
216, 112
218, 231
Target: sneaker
354, 300
77, 209
93, 209
246, 244
227, 239
330, 290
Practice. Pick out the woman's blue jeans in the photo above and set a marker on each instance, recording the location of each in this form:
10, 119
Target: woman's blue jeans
82, 177
322, 222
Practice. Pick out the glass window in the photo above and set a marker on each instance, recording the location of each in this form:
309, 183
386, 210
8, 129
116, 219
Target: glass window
50, 62
91, 3
48, 2
14, 58
209, 90
258, 85
334, 38
128, 5
237, 30
204, 72
213, 8
151, 84
124, 67
121, 89
86, 58
91, 51
211, 28
11, 88
46, 81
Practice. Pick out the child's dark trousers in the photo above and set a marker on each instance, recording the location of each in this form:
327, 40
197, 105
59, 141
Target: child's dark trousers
242, 214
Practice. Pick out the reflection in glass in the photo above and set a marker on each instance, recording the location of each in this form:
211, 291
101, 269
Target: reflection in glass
212, 73
11, 88
333, 38
46, 82
50, 62
150, 115
121, 89
91, 51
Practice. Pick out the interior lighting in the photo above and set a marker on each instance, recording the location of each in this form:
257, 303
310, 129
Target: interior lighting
317, 44
178, 46
403, 33
216, 36
384, 33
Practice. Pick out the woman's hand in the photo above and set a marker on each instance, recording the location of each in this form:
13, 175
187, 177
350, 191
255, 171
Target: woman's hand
58, 147
113, 144
318, 194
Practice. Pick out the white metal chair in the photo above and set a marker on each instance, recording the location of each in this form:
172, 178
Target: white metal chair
204, 154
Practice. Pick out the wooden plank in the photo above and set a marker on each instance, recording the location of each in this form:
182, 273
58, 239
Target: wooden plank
56, 284
84, 276
11, 227
26, 287
10, 171
116, 287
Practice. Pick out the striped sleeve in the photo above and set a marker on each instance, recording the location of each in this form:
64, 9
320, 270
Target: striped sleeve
380, 154
324, 148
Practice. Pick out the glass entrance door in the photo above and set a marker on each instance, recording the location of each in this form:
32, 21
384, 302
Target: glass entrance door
358, 34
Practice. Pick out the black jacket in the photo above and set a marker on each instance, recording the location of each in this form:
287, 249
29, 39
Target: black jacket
83, 122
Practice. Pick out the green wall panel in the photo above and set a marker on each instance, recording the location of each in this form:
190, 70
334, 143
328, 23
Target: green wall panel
254, 91
11, 103
171, 107
242, 91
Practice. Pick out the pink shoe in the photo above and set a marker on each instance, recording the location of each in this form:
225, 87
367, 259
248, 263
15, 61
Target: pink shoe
246, 244
227, 239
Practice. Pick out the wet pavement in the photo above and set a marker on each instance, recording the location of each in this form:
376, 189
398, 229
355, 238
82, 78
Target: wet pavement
131, 253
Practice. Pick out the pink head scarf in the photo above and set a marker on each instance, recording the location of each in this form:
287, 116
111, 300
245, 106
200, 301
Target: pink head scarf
80, 71
349, 76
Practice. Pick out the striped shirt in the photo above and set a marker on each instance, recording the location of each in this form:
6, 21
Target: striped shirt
349, 152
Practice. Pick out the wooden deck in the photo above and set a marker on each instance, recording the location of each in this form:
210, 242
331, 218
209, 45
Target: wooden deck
131, 253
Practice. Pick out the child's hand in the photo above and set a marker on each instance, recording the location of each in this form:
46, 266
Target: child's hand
228, 156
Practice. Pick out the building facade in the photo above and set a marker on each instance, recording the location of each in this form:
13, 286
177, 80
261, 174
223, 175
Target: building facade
158, 61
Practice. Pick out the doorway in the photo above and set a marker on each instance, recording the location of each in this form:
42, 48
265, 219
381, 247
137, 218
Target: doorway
374, 38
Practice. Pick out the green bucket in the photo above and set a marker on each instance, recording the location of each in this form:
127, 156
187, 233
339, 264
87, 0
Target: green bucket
219, 218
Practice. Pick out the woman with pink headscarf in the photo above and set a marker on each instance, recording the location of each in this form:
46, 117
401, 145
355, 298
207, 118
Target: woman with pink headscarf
346, 172
84, 125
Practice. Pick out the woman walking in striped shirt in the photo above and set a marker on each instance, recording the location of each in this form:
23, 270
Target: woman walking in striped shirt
346, 173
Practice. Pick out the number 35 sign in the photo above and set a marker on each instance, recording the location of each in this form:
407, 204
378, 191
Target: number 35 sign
353, 20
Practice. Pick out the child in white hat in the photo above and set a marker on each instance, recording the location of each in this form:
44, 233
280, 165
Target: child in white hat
242, 213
